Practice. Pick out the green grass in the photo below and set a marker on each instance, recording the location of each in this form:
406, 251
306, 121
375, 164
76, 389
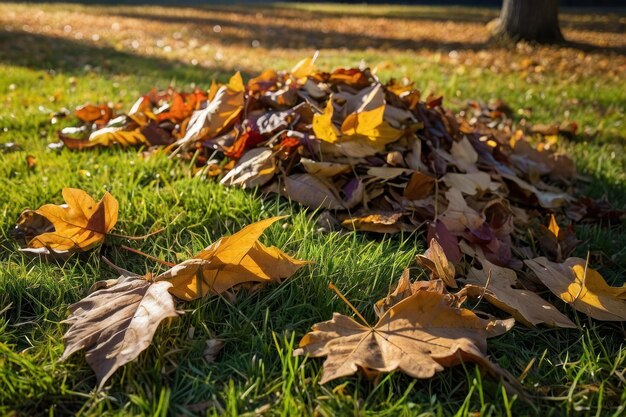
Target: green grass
576, 372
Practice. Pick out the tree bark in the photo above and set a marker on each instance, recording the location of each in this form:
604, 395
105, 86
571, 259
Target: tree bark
530, 20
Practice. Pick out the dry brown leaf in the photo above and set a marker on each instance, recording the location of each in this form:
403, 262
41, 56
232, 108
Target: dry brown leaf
376, 222
435, 260
420, 186
224, 105
526, 306
419, 336
471, 184
312, 192
581, 287
116, 324
255, 168
404, 289
324, 169
458, 216
79, 225
231, 261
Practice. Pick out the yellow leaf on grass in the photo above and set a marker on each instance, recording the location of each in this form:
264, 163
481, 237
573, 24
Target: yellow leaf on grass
79, 225
582, 287
106, 137
231, 261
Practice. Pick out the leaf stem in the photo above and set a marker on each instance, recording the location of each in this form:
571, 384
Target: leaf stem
345, 300
152, 258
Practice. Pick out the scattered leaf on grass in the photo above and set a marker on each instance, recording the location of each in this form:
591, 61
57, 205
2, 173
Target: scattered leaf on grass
231, 261
581, 287
420, 336
79, 225
498, 286
114, 325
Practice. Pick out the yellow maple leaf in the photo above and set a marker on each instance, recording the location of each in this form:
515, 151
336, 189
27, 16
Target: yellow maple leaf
230, 261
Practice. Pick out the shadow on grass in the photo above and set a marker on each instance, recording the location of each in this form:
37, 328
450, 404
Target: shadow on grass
49, 53
248, 30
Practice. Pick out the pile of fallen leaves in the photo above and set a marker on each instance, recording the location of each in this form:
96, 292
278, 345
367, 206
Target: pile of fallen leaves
375, 157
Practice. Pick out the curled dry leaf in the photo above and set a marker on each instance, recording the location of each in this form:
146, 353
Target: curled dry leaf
419, 336
404, 289
231, 261
581, 287
376, 222
435, 260
497, 285
78, 225
224, 106
106, 136
114, 325
255, 168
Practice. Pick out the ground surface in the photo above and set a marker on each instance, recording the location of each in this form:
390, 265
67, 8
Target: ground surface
54, 56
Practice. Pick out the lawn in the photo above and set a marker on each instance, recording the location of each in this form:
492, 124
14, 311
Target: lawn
55, 56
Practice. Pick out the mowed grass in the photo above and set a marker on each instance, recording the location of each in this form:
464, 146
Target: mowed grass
45, 67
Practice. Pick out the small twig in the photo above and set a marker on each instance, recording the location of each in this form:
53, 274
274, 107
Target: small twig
482, 294
345, 300
152, 258
137, 237
119, 270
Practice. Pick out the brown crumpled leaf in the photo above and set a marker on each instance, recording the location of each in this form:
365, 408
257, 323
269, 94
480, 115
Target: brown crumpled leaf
558, 243
231, 261
255, 168
404, 289
222, 109
79, 225
375, 222
311, 191
114, 325
497, 285
435, 260
581, 287
420, 336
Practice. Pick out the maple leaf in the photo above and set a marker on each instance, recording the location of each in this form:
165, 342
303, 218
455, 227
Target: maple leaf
364, 122
114, 325
497, 285
581, 287
230, 261
419, 335
79, 225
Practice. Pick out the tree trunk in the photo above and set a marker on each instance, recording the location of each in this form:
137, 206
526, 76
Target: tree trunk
530, 20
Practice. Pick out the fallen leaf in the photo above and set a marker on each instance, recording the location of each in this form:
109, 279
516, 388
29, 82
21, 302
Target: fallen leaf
419, 186
220, 113
105, 137
231, 261
376, 222
312, 192
404, 289
497, 285
255, 168
116, 324
581, 287
79, 225
435, 260
420, 336
213, 347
